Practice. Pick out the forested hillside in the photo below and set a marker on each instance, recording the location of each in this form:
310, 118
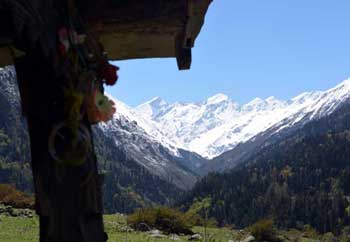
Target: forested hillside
14, 140
304, 179
127, 185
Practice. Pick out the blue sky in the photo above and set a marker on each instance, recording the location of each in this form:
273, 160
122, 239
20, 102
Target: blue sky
248, 49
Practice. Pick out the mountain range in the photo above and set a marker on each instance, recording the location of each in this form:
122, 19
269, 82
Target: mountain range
170, 145
218, 125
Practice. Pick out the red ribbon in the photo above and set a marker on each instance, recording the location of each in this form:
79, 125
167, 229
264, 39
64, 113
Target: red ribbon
109, 73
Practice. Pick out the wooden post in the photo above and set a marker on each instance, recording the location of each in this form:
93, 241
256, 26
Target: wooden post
68, 199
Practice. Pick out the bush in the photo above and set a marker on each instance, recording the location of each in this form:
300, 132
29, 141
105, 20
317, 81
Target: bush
9, 195
198, 207
309, 232
263, 230
197, 220
168, 220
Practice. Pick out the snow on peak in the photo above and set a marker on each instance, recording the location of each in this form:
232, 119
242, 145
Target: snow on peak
272, 99
145, 126
342, 87
262, 105
306, 96
156, 101
343, 84
256, 104
152, 107
217, 98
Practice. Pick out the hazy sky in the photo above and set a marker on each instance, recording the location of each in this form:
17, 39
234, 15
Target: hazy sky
248, 49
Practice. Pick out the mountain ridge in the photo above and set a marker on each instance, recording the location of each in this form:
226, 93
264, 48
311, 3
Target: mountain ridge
218, 124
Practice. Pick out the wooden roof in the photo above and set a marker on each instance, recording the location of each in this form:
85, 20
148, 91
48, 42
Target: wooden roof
144, 28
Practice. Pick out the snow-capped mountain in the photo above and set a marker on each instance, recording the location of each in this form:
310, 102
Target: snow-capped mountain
152, 108
218, 124
167, 162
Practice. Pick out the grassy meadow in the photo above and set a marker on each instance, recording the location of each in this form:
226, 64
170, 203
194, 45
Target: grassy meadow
17, 229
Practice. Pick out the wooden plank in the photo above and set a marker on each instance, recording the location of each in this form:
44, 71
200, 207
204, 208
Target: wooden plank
153, 35
5, 56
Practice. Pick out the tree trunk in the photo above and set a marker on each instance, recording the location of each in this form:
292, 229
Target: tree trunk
68, 199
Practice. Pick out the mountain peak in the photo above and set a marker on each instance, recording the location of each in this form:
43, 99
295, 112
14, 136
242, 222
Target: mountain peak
156, 101
256, 100
343, 85
152, 107
272, 99
217, 98
255, 104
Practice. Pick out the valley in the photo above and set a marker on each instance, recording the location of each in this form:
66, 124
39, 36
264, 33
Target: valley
269, 158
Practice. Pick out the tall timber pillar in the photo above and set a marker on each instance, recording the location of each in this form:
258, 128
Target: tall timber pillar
58, 95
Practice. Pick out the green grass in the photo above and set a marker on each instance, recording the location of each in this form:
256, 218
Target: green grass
18, 229
26, 230
114, 225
